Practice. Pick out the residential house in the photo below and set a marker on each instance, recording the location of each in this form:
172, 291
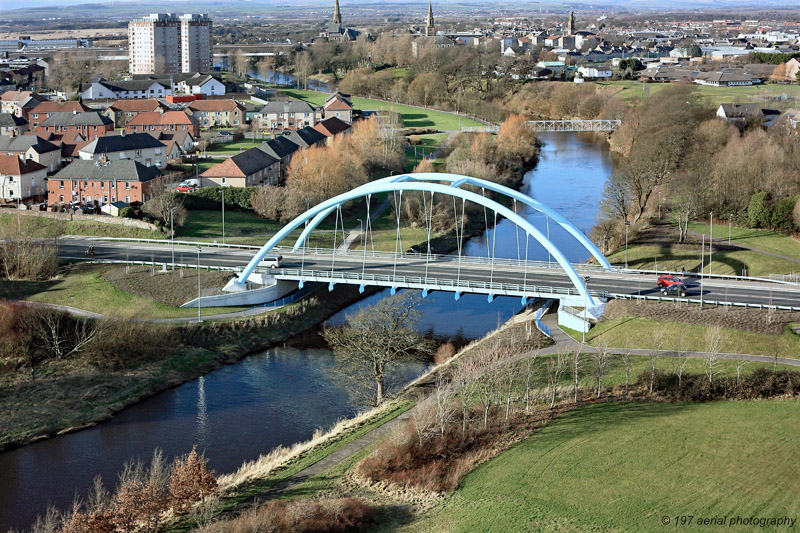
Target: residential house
740, 112
141, 147
177, 143
788, 120
113, 90
594, 73
338, 105
12, 124
786, 72
169, 121
43, 111
217, 113
32, 148
288, 115
281, 149
20, 103
245, 169
429, 42
123, 111
331, 127
102, 182
306, 137
90, 124
69, 143
20, 179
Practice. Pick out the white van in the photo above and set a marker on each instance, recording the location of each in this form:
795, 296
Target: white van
271, 261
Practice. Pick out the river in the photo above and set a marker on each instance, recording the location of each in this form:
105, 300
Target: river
281, 396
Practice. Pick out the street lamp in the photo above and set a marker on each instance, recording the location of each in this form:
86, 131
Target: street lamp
730, 221
199, 316
710, 237
627, 225
172, 234
585, 307
223, 216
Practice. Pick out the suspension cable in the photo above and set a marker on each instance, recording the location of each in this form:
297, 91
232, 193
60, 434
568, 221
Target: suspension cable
494, 242
397, 207
486, 222
516, 231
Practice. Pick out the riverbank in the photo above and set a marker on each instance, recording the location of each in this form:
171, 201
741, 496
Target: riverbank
68, 397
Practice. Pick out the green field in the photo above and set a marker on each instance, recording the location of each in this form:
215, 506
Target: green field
235, 147
711, 95
673, 256
207, 224
41, 227
624, 466
84, 287
638, 332
762, 239
413, 117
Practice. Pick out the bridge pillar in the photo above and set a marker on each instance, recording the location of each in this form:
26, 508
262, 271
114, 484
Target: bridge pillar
457, 295
490, 298
361, 288
330, 286
424, 293
393, 291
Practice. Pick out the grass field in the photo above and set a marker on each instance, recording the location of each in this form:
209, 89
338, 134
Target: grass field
762, 239
622, 467
638, 332
711, 95
84, 286
207, 224
413, 117
384, 240
40, 227
673, 256
235, 147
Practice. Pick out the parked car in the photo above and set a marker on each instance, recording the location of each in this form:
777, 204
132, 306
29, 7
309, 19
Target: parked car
187, 185
669, 284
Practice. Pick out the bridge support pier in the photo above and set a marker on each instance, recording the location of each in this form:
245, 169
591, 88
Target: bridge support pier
490, 298
361, 288
457, 295
425, 293
331, 285
393, 291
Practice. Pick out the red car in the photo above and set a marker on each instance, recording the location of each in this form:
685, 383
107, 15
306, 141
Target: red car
671, 283
183, 187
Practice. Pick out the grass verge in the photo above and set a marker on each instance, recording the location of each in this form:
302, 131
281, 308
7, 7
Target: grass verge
650, 460
762, 239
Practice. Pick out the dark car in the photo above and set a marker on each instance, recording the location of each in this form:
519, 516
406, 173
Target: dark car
669, 284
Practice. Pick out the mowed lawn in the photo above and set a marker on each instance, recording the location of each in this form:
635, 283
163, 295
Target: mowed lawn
413, 117
625, 466
673, 256
762, 239
638, 332
235, 147
207, 224
711, 95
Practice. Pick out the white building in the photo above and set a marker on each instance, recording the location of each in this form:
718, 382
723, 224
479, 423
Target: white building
594, 73
164, 42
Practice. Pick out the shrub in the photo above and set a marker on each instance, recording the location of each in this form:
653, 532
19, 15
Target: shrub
782, 219
762, 383
210, 197
127, 212
191, 481
758, 211
28, 259
444, 352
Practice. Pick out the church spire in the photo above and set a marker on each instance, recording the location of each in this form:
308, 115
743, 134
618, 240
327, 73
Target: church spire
570, 24
337, 15
430, 29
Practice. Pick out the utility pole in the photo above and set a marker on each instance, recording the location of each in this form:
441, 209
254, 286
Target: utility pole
199, 316
172, 234
730, 221
702, 267
223, 216
710, 237
627, 225
585, 307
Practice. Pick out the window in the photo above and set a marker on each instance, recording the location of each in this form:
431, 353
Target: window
61, 198
127, 199
158, 151
61, 184
138, 153
111, 184
105, 199
127, 185
102, 184
224, 181
113, 198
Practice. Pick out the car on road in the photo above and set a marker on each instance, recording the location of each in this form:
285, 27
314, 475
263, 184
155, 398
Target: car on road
187, 185
271, 261
669, 284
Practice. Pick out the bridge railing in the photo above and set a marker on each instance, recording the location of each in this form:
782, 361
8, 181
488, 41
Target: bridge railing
773, 278
544, 328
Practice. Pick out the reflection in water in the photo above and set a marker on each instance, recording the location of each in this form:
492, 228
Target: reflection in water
281, 396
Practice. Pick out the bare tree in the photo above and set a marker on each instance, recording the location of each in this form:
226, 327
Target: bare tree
575, 364
713, 342
487, 384
59, 335
682, 358
444, 405
655, 355
683, 207
241, 63
424, 421
465, 377
303, 66
739, 365
530, 368
600, 362
165, 203
377, 337
509, 375
555, 369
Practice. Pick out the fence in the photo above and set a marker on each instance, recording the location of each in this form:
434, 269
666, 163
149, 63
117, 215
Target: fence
544, 328
705, 301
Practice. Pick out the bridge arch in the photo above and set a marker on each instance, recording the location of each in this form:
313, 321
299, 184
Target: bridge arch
380, 186
457, 180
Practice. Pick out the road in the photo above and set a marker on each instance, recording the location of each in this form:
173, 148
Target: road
750, 292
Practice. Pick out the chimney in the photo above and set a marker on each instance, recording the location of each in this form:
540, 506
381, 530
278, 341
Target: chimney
74, 111
122, 133
104, 158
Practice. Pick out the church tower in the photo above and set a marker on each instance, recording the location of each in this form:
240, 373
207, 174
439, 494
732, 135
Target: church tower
570, 24
337, 15
430, 29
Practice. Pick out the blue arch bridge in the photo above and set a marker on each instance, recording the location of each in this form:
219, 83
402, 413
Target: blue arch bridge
555, 279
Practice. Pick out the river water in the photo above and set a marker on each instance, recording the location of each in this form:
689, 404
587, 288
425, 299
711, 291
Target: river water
281, 396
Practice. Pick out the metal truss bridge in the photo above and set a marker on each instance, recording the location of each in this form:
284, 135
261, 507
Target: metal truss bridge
574, 125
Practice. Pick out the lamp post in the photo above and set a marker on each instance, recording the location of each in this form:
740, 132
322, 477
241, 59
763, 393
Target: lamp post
223, 216
710, 237
702, 267
199, 316
361, 233
730, 221
627, 225
172, 234
585, 306
659, 205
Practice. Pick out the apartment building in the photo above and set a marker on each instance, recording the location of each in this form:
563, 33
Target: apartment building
164, 42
